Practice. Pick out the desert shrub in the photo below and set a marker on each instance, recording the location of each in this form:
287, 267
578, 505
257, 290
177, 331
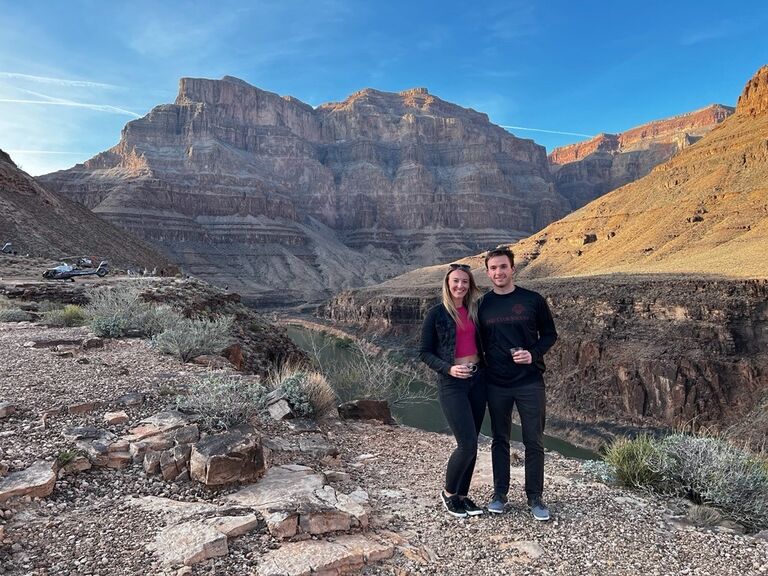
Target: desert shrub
117, 311
70, 315
188, 338
223, 400
638, 462
600, 470
364, 372
714, 472
14, 315
703, 515
307, 392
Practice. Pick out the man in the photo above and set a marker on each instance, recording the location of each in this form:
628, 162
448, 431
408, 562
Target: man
516, 329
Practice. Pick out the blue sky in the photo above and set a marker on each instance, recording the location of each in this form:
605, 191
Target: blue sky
73, 73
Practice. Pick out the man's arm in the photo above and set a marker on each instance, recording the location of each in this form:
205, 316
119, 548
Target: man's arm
547, 332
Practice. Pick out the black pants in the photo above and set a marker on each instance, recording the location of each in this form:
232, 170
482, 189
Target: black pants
531, 402
463, 403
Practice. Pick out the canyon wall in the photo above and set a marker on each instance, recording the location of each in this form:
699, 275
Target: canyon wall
633, 352
286, 203
587, 170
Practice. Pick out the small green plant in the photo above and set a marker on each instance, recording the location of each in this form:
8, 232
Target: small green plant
70, 315
637, 462
189, 338
223, 400
307, 392
65, 457
14, 315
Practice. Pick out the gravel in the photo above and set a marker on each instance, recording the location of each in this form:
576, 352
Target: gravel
87, 527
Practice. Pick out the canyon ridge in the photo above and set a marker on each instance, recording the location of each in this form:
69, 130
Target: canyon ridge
254, 191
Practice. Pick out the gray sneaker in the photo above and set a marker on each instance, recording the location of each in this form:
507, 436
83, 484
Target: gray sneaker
539, 510
497, 504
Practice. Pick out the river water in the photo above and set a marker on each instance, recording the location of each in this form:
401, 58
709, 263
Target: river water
423, 415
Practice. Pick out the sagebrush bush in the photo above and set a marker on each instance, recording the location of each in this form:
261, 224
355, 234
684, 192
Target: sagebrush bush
117, 311
600, 470
714, 472
708, 470
189, 338
223, 400
307, 392
70, 315
14, 315
637, 462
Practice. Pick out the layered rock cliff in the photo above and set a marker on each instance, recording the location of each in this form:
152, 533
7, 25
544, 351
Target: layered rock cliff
633, 353
587, 170
44, 224
283, 202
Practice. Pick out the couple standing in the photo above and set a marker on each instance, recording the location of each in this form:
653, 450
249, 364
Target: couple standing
488, 351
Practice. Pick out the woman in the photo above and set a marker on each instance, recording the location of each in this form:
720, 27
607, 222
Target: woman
450, 345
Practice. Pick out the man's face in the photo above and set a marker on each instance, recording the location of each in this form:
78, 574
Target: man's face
500, 271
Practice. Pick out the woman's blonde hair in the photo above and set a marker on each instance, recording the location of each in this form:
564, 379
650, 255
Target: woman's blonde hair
470, 298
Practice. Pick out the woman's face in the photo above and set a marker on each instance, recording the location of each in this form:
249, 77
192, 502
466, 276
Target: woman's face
458, 284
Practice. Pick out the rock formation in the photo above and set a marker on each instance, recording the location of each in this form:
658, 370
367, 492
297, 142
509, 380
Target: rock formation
47, 225
704, 212
587, 170
283, 202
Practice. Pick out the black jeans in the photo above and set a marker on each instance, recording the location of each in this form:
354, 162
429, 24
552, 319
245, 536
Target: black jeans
531, 403
463, 403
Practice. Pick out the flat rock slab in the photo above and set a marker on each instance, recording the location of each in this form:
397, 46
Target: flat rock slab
157, 424
345, 555
189, 543
294, 498
36, 481
196, 531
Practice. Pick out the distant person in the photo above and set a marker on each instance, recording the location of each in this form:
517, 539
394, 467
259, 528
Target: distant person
450, 346
516, 329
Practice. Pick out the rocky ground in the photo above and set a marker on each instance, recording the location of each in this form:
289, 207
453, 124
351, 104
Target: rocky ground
100, 521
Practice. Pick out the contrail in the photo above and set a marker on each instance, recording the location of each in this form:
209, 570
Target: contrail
98, 107
547, 131
57, 81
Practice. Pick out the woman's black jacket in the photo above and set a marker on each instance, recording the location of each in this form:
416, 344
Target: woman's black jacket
438, 340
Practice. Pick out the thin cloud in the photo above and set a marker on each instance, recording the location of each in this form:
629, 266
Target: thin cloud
58, 81
57, 152
547, 131
61, 102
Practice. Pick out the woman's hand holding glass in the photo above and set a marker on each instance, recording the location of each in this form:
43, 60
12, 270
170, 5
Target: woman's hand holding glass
463, 370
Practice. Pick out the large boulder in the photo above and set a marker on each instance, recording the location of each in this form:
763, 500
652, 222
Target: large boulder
235, 456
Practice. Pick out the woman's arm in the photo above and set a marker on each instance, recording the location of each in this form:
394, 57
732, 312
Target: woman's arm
430, 343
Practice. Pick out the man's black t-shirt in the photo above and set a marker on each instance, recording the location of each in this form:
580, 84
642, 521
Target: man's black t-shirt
518, 319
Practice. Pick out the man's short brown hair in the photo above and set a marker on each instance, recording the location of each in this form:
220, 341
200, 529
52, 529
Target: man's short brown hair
501, 251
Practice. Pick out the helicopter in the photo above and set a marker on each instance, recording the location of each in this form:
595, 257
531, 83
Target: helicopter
70, 272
